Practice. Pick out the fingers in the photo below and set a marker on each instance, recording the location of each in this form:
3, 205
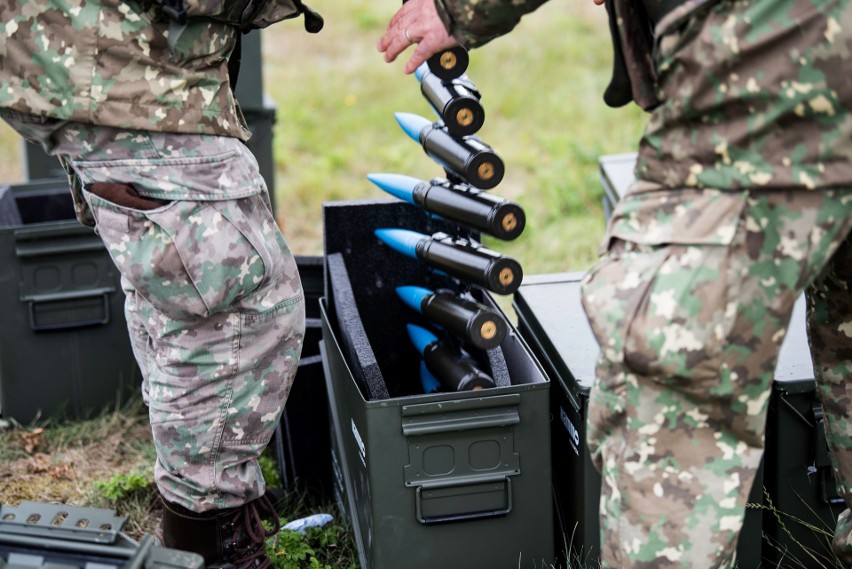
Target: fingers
427, 47
417, 22
394, 42
402, 13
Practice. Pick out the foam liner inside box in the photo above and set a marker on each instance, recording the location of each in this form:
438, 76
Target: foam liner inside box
449, 479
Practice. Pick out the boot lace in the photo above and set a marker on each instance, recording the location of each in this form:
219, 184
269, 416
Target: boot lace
252, 551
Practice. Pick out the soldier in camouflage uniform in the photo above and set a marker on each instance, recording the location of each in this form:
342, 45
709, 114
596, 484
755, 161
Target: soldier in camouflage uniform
742, 202
140, 111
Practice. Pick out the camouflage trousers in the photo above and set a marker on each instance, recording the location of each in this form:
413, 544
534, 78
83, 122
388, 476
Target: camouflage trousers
690, 302
214, 303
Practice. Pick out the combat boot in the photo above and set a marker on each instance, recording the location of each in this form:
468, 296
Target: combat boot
233, 538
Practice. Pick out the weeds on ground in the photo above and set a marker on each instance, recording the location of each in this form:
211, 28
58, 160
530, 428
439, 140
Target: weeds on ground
326, 547
804, 556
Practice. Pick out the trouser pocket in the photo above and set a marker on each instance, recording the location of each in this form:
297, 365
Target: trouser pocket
660, 299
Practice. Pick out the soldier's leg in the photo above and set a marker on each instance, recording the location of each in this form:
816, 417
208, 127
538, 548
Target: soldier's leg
830, 335
690, 304
215, 308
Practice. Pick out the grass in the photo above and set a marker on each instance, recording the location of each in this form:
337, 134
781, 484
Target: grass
107, 462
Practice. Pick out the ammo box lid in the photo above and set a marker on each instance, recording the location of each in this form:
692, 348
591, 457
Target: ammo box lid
795, 369
549, 307
616, 174
549, 310
35, 535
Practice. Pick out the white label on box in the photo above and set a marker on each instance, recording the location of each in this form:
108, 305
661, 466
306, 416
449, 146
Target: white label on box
572, 431
362, 452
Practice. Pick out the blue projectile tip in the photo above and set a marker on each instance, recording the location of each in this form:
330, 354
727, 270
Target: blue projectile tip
420, 337
402, 240
397, 185
421, 71
413, 296
429, 382
412, 124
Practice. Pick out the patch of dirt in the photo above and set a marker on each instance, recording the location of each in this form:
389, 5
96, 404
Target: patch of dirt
39, 466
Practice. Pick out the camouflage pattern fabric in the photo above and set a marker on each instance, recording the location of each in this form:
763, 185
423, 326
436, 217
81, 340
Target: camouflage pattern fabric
214, 303
690, 303
830, 336
473, 23
747, 72
109, 62
756, 94
693, 294
704, 260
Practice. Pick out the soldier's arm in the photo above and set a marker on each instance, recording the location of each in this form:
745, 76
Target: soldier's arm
435, 25
476, 22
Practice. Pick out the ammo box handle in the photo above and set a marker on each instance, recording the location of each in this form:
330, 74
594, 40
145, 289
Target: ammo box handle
462, 516
43, 299
56, 239
461, 415
451, 424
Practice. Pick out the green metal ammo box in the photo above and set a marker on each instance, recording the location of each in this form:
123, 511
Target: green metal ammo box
448, 480
52, 536
303, 436
802, 501
64, 346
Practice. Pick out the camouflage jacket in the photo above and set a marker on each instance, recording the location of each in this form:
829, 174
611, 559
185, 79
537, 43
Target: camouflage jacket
110, 63
745, 93
474, 23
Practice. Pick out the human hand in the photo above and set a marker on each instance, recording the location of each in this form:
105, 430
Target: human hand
417, 22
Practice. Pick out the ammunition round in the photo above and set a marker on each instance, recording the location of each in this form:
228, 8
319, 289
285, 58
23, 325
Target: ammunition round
488, 330
485, 171
504, 275
449, 64
456, 101
509, 222
448, 60
478, 325
464, 116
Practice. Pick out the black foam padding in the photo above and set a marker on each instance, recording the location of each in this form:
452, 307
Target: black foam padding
9, 214
375, 271
356, 345
499, 369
